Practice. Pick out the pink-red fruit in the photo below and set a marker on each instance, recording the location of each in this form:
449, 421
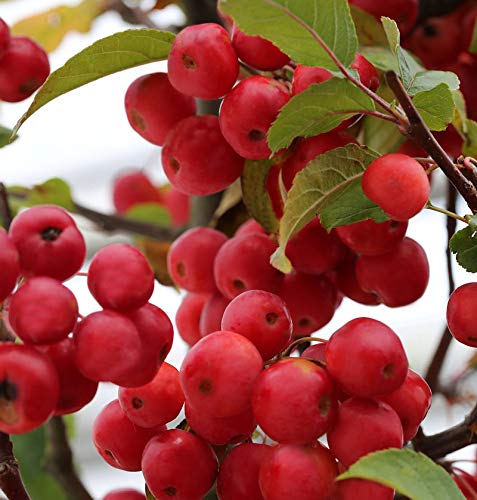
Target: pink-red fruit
461, 314
10, 265
132, 188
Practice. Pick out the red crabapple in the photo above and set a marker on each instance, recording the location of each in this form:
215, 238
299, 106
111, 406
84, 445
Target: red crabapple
154, 106
379, 364
9, 264
397, 278
238, 474
188, 317
243, 263
379, 428
398, 184
42, 311
257, 51
120, 277
248, 111
368, 74
202, 61
461, 315
155, 403
310, 466
304, 76
124, 494
263, 318
4, 36
348, 285
294, 401
178, 464
29, 388
24, 67
178, 205
219, 373
197, 159
118, 440
76, 391
361, 489
211, 316
132, 188
190, 260
250, 226
48, 242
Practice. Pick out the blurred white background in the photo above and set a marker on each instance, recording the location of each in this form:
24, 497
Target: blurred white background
84, 137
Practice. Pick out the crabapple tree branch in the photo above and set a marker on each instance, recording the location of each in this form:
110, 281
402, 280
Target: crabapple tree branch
431, 8
10, 479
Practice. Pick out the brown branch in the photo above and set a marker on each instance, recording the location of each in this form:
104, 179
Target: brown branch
421, 134
433, 8
10, 479
5, 210
58, 461
201, 11
434, 369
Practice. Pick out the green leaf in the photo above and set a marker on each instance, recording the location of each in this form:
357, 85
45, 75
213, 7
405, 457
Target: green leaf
109, 55
151, 213
473, 43
48, 28
327, 185
470, 143
29, 450
5, 134
381, 136
381, 57
436, 106
255, 194
411, 474
368, 28
464, 245
428, 80
285, 22
54, 191
318, 109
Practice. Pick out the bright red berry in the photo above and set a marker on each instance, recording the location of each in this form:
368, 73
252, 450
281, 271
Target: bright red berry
250, 226
178, 464
248, 111
178, 205
202, 61
132, 188
10, 265
211, 316
361, 489
348, 285
48, 242
125, 494
197, 159
461, 314
188, 317
120, 277
154, 106
4, 36
398, 184
304, 76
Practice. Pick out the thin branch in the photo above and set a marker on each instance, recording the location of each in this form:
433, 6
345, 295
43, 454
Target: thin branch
201, 11
419, 131
5, 210
433, 8
58, 461
10, 479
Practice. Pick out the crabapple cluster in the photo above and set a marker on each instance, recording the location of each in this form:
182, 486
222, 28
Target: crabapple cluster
24, 66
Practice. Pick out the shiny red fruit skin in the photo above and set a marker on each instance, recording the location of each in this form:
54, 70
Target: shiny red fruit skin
35, 323
156, 403
188, 317
263, 318
211, 316
467, 483
48, 242
248, 111
76, 391
124, 494
304, 76
348, 285
202, 61
311, 466
24, 67
411, 402
178, 205
379, 361
177, 463
250, 226
120, 277
29, 388
4, 36
294, 401
132, 188
197, 159
154, 106
397, 278
190, 260
371, 238
361, 489
398, 184
368, 74
222, 430
379, 428
243, 263
219, 373
257, 51
461, 314
10, 265
301, 293
119, 442
238, 474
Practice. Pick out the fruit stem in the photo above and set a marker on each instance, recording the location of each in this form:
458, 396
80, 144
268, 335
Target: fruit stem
289, 349
453, 215
5, 210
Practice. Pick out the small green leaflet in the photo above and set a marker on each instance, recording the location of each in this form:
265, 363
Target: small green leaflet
255, 193
381, 136
436, 106
151, 213
464, 245
109, 55
329, 186
473, 43
5, 134
318, 109
289, 25
470, 143
368, 28
54, 191
410, 473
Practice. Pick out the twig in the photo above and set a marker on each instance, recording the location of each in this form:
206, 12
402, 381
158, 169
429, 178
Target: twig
10, 479
201, 11
58, 461
434, 369
5, 210
419, 131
